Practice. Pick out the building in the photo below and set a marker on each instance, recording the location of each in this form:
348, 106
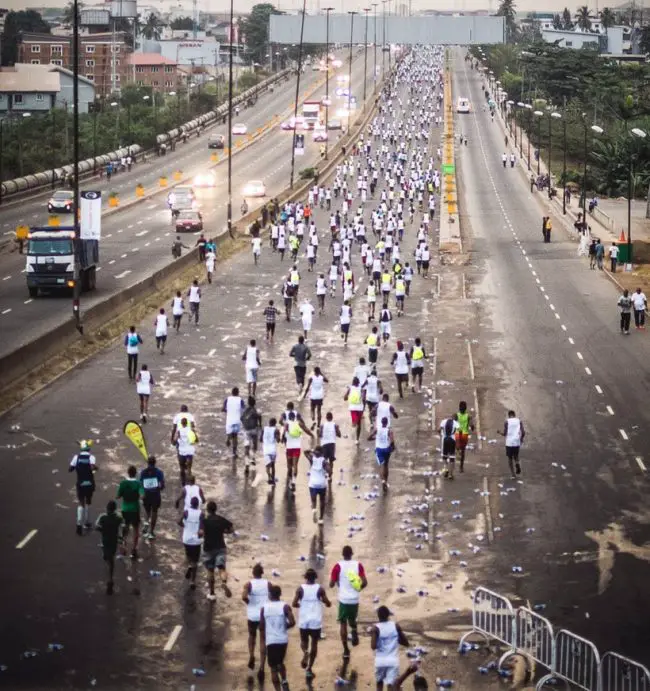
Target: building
26, 88
102, 57
610, 42
185, 51
152, 70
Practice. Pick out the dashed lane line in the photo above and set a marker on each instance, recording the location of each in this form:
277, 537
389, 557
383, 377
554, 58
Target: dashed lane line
30, 535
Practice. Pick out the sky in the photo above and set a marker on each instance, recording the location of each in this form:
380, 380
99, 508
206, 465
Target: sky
340, 5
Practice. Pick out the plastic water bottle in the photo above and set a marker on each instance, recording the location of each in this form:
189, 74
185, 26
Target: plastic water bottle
198, 672
155, 574
54, 647
539, 607
483, 670
444, 683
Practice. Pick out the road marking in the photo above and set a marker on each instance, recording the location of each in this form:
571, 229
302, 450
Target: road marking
588, 371
237, 325
488, 510
600, 391
169, 393
542, 289
552, 306
225, 338
27, 301
6, 278
563, 327
123, 274
538, 281
571, 341
112, 261
471, 360
623, 434
26, 539
546, 297
173, 637
579, 354
640, 463
212, 352
124, 256
135, 249
609, 409
141, 233
6, 311
191, 372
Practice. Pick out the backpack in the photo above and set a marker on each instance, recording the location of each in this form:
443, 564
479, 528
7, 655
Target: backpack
249, 418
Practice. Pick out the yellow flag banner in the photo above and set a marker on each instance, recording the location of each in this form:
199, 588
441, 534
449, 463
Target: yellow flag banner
133, 431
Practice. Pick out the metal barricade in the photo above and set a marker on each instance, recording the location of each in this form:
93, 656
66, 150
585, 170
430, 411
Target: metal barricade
618, 673
576, 661
493, 617
533, 639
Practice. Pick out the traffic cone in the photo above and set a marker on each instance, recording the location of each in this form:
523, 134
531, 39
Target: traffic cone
621, 238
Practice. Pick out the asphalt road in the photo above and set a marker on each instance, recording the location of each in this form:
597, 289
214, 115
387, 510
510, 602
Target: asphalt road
55, 577
136, 242
558, 359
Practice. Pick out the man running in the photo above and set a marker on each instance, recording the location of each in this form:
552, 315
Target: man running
293, 430
256, 595
161, 325
328, 433
385, 640
307, 313
372, 390
129, 491
417, 355
316, 390
401, 361
144, 381
185, 439
109, 524
194, 297
192, 524
448, 430
350, 577
301, 354
345, 317
513, 431
252, 422
318, 474
309, 599
252, 363
270, 439
354, 397
270, 316
232, 407
462, 436
321, 292
152, 480
276, 618
132, 341
372, 341
214, 548
178, 308
85, 465
384, 447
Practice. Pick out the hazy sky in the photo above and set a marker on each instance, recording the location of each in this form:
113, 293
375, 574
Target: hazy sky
340, 5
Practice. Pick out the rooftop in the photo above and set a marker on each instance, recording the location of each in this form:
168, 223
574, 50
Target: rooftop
148, 59
24, 78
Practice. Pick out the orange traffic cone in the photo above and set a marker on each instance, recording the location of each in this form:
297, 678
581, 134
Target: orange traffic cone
622, 239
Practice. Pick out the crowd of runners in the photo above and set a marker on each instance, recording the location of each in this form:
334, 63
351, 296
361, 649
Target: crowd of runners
354, 267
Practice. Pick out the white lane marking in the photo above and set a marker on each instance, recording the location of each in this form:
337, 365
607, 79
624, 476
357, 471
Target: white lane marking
225, 338
191, 372
546, 297
237, 325
6, 278
212, 352
123, 274
579, 354
563, 327
6, 311
609, 409
600, 391
471, 361
173, 637
135, 249
112, 261
141, 233
588, 371
26, 539
557, 316
542, 289
124, 256
571, 341
538, 281
552, 306
640, 463
623, 434
28, 301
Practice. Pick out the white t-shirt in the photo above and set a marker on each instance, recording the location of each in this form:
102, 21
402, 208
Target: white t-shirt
613, 252
307, 311
329, 433
251, 357
269, 443
387, 652
401, 363
143, 385
639, 301
345, 314
321, 288
177, 307
209, 261
161, 325
257, 245
317, 474
195, 294
513, 431
347, 594
454, 428
179, 416
233, 410
317, 391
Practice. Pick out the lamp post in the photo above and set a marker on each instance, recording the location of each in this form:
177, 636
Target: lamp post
327, 11
556, 115
96, 107
351, 13
511, 106
53, 145
383, 46
597, 130
520, 105
529, 108
637, 133
115, 104
295, 103
365, 58
539, 115
76, 289
230, 88
374, 45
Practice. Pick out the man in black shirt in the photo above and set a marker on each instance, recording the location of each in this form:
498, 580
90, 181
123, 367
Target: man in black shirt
214, 548
153, 483
109, 524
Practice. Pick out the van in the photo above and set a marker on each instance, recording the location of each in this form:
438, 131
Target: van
463, 105
216, 141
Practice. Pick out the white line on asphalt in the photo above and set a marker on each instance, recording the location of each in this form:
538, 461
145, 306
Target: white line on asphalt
488, 510
112, 261
542, 289
26, 539
6, 311
27, 301
173, 637
128, 227
552, 306
534, 273
124, 256
123, 274
225, 338
135, 249
146, 244
563, 327
141, 233
169, 393
588, 371
6, 278
237, 325
600, 391
248, 314
640, 463
110, 235
571, 341
537, 281
191, 372
579, 354
546, 297
623, 434
557, 316
471, 360
610, 410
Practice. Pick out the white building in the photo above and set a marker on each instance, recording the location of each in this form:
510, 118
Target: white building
610, 42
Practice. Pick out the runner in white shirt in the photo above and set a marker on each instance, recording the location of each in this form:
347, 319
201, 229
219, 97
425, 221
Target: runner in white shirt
255, 595
162, 325
252, 363
256, 244
232, 407
640, 303
192, 522
276, 618
270, 437
345, 320
318, 474
316, 389
385, 640
144, 382
178, 307
194, 294
448, 430
321, 292
401, 362
385, 319
513, 431
306, 312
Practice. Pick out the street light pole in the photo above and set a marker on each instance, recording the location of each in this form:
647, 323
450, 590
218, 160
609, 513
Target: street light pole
584, 176
539, 139
295, 102
529, 107
550, 152
53, 148
95, 107
564, 161
327, 11
230, 88
383, 46
365, 58
351, 13
639, 134
76, 289
374, 45
1, 160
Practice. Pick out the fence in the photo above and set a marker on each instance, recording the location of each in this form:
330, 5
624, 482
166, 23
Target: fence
563, 656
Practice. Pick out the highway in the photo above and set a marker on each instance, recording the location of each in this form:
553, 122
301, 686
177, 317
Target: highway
137, 241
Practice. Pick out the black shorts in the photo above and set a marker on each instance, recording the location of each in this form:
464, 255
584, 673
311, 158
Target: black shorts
329, 452
402, 377
131, 518
425, 264
417, 371
253, 627
275, 654
376, 275
85, 493
152, 501
193, 553
306, 634
449, 448
161, 339
345, 328
512, 452
109, 553
288, 302
372, 355
184, 462
270, 328
316, 403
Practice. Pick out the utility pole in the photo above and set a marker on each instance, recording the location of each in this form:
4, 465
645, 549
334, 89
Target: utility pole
230, 85
295, 103
76, 290
351, 13
365, 59
327, 11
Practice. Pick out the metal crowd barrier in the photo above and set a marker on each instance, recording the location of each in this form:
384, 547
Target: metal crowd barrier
563, 656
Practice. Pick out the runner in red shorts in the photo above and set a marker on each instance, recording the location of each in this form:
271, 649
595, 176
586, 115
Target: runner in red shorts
355, 398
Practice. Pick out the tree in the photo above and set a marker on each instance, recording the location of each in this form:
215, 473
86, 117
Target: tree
567, 20
182, 24
255, 28
584, 17
68, 13
644, 41
607, 19
557, 22
15, 24
152, 28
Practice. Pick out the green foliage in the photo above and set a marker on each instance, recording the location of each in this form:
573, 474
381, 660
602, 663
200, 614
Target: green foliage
644, 41
152, 28
508, 10
584, 17
567, 20
15, 23
182, 24
68, 12
255, 28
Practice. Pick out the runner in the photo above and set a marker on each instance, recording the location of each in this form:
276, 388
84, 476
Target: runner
372, 391
356, 404
361, 371
417, 356
256, 244
318, 474
185, 439
232, 407
401, 361
306, 312
316, 389
252, 423
384, 447
287, 296
345, 317
109, 524
293, 429
350, 577
408, 277
301, 353
462, 436
385, 319
252, 363
210, 259
328, 433
276, 618
333, 277
129, 491
400, 292
372, 341
194, 296
178, 308
385, 640
270, 440
385, 410
132, 341
188, 492
448, 429
214, 548
310, 598
321, 292
513, 431
162, 325
256, 595
152, 480
144, 382
192, 524
85, 465
270, 315
371, 293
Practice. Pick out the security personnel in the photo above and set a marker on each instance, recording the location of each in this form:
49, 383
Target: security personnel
85, 466
373, 345
418, 355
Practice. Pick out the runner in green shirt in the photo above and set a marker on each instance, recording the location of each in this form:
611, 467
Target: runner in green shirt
462, 436
109, 525
129, 491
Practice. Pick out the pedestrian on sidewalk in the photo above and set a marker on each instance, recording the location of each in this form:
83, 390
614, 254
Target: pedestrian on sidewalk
613, 257
514, 433
625, 306
640, 304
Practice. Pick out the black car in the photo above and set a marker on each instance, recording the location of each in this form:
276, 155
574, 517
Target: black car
216, 141
189, 220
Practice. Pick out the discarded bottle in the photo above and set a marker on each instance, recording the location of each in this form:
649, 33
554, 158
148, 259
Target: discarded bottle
483, 670
54, 647
505, 673
539, 607
444, 683
198, 672
155, 574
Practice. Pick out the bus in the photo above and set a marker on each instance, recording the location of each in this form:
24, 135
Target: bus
463, 105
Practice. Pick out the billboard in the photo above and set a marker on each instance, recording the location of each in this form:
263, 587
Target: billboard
90, 208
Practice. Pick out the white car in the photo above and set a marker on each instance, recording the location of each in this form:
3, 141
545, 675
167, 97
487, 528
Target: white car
254, 188
319, 136
239, 128
205, 180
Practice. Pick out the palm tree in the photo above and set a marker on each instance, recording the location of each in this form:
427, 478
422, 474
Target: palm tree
152, 28
508, 10
557, 22
607, 19
567, 21
68, 12
584, 17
